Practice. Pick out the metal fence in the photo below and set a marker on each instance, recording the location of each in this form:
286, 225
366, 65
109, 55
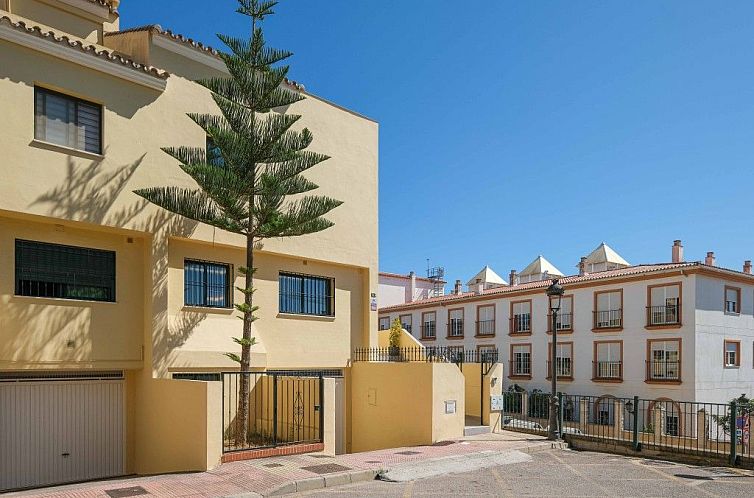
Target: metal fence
707, 429
430, 354
283, 410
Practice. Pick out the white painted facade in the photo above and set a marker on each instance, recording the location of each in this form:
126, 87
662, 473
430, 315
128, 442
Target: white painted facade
700, 337
398, 289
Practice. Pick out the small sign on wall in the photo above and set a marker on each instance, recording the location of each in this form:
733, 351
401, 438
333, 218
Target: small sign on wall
450, 407
373, 302
496, 403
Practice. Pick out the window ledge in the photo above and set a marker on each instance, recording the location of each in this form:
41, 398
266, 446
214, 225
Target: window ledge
660, 327
658, 381
454, 337
61, 300
561, 332
607, 329
608, 381
41, 144
207, 309
484, 336
528, 377
297, 316
519, 334
731, 367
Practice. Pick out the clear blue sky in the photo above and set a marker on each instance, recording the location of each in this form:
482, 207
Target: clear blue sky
514, 128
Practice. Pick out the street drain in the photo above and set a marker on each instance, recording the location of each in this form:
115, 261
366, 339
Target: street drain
126, 492
444, 443
372, 461
408, 453
695, 477
321, 456
272, 465
326, 468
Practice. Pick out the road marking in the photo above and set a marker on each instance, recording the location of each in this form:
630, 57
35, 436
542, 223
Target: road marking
503, 483
607, 491
671, 477
409, 490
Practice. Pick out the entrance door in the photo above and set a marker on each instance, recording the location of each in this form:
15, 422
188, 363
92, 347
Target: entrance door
53, 432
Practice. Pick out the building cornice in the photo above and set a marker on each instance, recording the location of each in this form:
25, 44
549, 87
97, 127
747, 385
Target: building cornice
78, 52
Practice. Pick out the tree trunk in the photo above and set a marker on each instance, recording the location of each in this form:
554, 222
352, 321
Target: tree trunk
242, 417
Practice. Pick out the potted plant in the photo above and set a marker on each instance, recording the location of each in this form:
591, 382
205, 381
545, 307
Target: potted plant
395, 340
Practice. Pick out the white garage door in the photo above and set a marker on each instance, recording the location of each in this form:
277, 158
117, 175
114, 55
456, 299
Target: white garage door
56, 431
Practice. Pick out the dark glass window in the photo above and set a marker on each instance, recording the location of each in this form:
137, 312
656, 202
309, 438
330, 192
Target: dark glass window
206, 284
306, 295
64, 272
67, 121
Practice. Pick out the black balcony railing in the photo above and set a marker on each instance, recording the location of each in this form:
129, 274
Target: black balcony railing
664, 370
563, 368
521, 324
455, 328
429, 354
429, 330
485, 327
607, 370
564, 322
608, 319
664, 315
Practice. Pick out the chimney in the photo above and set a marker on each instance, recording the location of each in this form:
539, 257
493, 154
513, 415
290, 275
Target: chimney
677, 252
582, 266
458, 287
512, 277
747, 267
412, 287
710, 259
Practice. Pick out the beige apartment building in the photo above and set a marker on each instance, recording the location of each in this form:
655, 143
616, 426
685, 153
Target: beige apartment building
671, 331
106, 300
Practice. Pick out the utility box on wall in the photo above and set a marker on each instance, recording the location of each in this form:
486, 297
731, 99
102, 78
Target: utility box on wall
496, 403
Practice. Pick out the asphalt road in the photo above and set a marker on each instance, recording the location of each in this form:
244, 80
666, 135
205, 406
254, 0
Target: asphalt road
567, 473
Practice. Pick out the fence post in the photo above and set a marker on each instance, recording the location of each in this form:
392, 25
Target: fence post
321, 408
618, 419
525, 404
637, 447
274, 409
733, 433
701, 429
560, 415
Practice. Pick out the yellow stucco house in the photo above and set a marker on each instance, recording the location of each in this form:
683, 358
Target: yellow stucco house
108, 303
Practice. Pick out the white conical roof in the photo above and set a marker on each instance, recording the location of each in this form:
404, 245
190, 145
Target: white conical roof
605, 254
539, 266
486, 276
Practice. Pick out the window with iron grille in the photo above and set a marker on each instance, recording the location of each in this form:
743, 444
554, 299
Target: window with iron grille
206, 284
306, 295
64, 272
63, 120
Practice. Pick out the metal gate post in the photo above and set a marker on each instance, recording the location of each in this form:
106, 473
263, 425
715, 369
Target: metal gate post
321, 408
560, 414
274, 409
733, 433
637, 447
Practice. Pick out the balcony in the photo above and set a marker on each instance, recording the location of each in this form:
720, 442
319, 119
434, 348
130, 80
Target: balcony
485, 327
607, 370
521, 324
429, 330
455, 329
608, 319
661, 316
564, 322
664, 371
563, 368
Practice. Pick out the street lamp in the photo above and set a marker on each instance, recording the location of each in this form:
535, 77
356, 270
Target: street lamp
554, 294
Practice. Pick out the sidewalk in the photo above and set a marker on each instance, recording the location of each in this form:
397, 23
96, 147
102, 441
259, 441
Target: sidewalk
280, 475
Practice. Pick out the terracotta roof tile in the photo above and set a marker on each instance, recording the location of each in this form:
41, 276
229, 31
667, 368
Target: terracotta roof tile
82, 46
573, 279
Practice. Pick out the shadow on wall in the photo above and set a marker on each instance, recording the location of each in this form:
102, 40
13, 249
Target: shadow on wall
97, 194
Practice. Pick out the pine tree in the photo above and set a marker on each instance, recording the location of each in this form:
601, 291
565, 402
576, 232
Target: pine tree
251, 181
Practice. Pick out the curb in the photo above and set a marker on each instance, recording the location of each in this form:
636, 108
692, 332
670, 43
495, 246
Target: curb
314, 483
